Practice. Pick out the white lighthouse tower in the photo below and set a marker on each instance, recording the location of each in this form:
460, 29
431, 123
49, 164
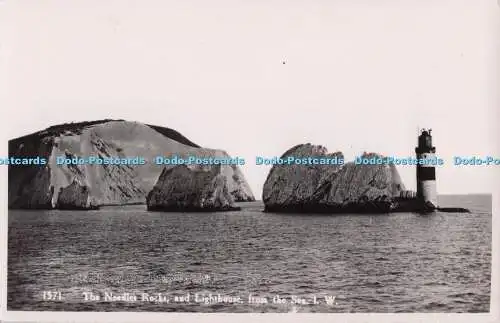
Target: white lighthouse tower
426, 174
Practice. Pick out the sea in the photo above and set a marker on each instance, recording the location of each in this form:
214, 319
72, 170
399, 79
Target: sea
128, 259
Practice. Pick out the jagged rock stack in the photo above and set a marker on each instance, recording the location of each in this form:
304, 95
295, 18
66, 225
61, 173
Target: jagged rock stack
346, 188
191, 189
75, 197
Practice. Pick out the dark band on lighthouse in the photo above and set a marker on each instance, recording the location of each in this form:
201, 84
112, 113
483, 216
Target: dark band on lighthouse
426, 173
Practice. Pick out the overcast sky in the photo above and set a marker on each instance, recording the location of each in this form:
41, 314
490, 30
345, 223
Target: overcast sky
257, 77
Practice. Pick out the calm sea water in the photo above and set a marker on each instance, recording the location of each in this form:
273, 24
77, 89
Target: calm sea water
361, 263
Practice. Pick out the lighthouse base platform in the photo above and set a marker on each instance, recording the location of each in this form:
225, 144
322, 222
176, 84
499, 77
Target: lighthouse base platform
416, 205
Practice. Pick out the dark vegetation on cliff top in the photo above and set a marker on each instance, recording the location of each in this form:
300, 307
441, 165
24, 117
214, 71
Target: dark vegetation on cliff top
77, 127
172, 134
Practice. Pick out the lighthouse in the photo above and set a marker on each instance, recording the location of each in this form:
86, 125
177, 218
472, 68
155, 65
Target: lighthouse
426, 173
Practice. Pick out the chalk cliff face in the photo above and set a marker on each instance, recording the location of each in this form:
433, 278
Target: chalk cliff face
331, 188
193, 188
87, 185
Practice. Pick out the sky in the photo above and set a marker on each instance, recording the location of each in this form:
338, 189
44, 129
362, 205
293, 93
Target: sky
257, 77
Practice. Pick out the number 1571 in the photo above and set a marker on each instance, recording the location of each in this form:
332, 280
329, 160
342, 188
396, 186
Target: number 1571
52, 296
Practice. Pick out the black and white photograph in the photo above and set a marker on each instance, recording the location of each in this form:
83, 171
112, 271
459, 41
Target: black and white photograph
321, 157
